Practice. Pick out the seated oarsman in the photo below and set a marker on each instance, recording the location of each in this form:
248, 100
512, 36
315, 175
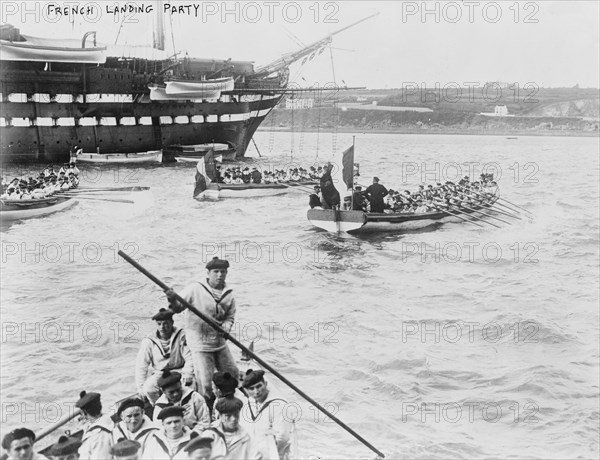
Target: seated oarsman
18, 445
169, 441
227, 178
126, 449
200, 448
246, 176
196, 413
388, 200
359, 202
453, 200
73, 180
37, 193
72, 169
237, 178
66, 448
165, 350
314, 200
230, 439
134, 424
267, 414
256, 176
225, 386
97, 431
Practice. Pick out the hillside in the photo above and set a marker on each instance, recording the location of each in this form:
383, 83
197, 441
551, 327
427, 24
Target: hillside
549, 111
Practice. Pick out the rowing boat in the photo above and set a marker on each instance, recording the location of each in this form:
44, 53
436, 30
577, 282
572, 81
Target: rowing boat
152, 156
11, 210
251, 190
356, 222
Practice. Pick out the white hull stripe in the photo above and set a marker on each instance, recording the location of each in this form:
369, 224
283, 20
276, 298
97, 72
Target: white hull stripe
44, 98
129, 121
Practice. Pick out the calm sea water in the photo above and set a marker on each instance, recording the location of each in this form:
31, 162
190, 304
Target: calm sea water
451, 342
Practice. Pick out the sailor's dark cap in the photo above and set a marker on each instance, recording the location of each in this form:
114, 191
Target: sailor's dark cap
19, 433
163, 315
87, 399
130, 402
65, 446
217, 264
125, 448
225, 382
197, 441
170, 411
229, 405
358, 187
168, 378
253, 377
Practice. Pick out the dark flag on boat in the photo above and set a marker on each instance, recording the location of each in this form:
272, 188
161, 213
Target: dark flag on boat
348, 167
209, 163
200, 179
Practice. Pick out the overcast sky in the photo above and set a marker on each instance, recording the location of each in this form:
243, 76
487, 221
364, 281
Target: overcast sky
549, 43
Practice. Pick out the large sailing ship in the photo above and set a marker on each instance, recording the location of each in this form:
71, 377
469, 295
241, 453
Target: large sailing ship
58, 95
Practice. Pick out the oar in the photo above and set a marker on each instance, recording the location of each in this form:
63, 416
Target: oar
57, 425
110, 189
83, 197
301, 187
479, 219
485, 214
500, 211
512, 204
516, 205
212, 323
487, 198
460, 217
64, 420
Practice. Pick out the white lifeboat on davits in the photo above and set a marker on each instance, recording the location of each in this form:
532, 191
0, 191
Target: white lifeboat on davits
192, 89
51, 50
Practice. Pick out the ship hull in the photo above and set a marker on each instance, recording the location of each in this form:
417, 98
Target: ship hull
38, 131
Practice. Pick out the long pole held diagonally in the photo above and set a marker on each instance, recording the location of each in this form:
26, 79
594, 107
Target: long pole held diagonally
212, 323
57, 425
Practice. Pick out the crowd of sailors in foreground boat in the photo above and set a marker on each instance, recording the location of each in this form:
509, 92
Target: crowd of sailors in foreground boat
49, 182
237, 175
376, 198
192, 402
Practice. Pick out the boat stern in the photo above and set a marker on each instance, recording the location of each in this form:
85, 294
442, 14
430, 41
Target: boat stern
337, 221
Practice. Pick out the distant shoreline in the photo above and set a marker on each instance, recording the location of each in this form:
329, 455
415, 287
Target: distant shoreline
346, 129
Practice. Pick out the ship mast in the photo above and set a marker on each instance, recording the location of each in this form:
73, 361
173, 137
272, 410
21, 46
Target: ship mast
287, 59
159, 29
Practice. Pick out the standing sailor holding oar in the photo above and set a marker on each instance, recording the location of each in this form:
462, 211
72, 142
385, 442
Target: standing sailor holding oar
209, 350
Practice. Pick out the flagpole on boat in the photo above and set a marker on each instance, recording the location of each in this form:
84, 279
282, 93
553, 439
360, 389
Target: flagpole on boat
352, 196
212, 323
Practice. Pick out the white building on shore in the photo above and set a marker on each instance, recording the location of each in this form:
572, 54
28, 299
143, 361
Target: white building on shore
307, 103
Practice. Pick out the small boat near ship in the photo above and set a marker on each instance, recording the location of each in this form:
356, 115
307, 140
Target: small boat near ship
13, 210
207, 189
150, 157
355, 222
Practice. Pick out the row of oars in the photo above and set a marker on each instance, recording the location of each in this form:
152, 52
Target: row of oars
92, 193
501, 206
